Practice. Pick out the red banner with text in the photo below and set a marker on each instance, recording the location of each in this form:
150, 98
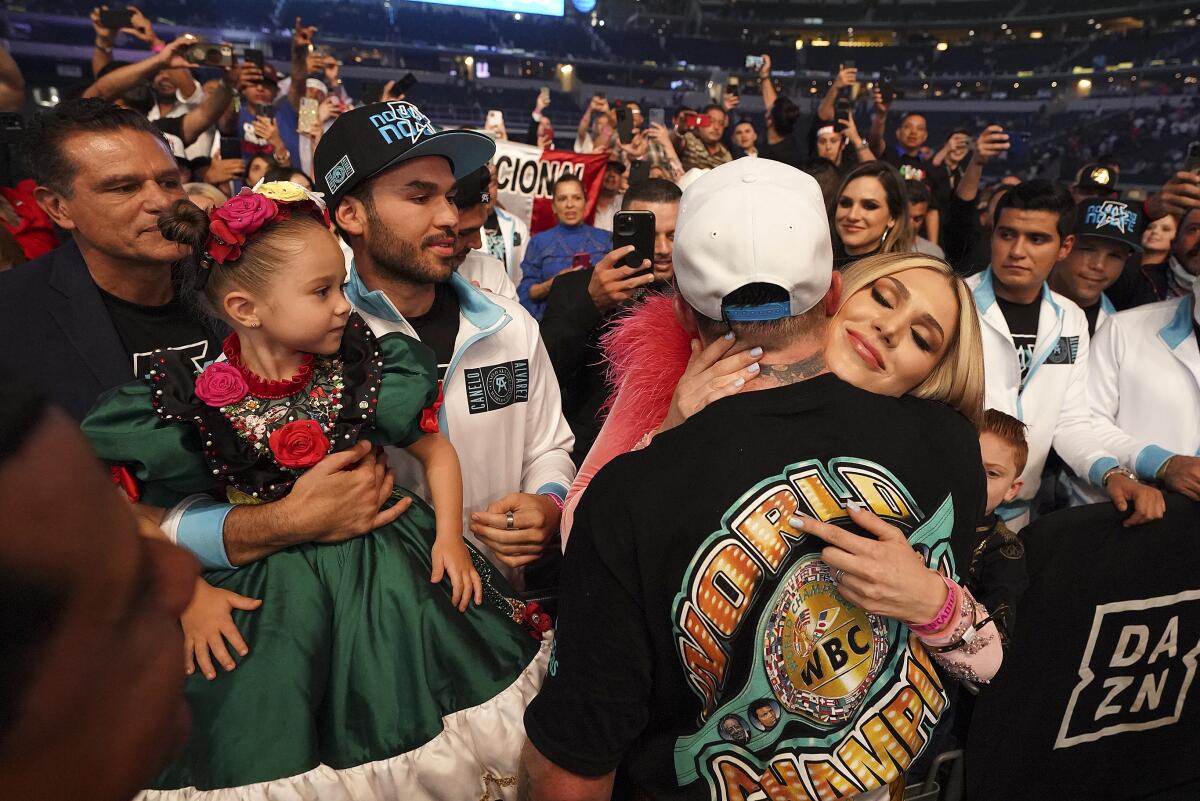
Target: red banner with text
526, 174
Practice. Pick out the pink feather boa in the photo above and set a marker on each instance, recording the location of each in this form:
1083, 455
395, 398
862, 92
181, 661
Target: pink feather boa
647, 351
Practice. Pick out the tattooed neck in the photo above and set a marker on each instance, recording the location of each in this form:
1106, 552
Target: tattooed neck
783, 374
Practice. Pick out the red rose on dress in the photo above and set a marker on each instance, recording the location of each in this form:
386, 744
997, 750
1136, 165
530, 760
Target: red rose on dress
246, 213
221, 384
223, 244
123, 477
299, 444
537, 622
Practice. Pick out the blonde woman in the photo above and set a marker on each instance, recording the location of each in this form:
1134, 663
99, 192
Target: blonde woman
662, 375
901, 324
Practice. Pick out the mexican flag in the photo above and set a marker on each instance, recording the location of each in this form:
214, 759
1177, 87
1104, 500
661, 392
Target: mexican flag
526, 174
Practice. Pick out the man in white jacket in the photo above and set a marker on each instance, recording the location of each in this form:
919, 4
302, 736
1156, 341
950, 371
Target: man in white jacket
1144, 394
473, 199
505, 234
390, 179
1035, 341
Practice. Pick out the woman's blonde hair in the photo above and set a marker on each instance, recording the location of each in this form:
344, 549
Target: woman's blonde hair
957, 379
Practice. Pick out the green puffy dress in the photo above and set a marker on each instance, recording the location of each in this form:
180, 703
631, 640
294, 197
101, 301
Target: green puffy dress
362, 680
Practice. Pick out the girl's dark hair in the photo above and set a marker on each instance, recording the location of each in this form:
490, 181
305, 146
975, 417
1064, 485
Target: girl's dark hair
901, 238
206, 283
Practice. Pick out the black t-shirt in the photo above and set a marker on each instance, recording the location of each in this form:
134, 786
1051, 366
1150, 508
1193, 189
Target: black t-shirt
172, 130
919, 169
438, 327
702, 643
1092, 313
145, 329
1022, 319
786, 151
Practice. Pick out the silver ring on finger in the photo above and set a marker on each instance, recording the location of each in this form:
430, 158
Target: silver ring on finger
509, 522
837, 575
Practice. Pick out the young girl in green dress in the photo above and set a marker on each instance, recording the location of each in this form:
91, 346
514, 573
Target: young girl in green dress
368, 671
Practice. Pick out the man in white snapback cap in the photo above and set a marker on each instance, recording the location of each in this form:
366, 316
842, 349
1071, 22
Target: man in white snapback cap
753, 223
706, 643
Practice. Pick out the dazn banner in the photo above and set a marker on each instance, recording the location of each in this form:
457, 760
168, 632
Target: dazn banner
526, 175
1097, 696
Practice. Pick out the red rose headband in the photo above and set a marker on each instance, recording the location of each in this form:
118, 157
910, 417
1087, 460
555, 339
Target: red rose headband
232, 224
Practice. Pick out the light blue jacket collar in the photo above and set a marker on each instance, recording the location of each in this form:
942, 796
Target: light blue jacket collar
985, 294
473, 304
1106, 305
1176, 331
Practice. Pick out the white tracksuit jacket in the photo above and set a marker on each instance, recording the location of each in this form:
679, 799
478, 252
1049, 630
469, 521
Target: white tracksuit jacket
1053, 402
1143, 390
501, 405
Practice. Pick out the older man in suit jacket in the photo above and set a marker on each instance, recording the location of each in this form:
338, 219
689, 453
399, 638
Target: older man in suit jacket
84, 318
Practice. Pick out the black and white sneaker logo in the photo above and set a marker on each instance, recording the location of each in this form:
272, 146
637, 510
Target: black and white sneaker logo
497, 386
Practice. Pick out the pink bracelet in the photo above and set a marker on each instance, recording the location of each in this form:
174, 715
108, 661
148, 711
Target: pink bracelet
942, 617
557, 500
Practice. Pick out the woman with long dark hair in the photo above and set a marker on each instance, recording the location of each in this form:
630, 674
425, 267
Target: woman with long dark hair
870, 214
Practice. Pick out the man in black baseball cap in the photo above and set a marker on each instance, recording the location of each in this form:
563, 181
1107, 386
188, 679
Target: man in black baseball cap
1107, 233
369, 140
392, 181
1095, 181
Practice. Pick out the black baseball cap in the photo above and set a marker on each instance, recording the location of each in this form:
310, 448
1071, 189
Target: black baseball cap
473, 189
367, 140
1111, 219
1096, 176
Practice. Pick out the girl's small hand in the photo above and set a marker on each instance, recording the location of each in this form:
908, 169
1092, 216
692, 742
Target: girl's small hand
452, 558
207, 624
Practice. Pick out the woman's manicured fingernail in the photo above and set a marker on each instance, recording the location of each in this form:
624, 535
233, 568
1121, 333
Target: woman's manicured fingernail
795, 521
729, 336
756, 352
740, 382
754, 368
857, 506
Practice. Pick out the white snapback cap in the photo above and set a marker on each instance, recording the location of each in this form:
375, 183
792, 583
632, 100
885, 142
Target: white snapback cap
753, 221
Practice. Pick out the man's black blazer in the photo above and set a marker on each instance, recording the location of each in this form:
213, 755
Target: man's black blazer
55, 329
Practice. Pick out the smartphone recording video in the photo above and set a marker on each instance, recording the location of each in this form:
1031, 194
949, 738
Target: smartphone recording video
1192, 163
210, 55
634, 228
116, 18
252, 56
624, 125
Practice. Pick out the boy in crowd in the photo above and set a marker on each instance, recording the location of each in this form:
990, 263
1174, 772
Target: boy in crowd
995, 568
1035, 340
1107, 233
